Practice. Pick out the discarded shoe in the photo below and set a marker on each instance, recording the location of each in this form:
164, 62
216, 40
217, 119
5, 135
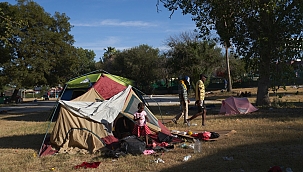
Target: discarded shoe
159, 160
174, 121
187, 123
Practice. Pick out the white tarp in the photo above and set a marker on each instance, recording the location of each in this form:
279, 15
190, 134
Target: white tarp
106, 110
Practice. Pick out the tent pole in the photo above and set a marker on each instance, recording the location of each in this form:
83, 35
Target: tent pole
51, 120
152, 100
39, 153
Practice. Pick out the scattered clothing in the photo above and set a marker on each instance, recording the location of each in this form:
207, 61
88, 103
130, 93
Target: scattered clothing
275, 169
206, 135
148, 152
111, 142
88, 165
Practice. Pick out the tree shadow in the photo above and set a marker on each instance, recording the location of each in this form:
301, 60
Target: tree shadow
30, 141
33, 116
171, 111
270, 113
225, 95
242, 158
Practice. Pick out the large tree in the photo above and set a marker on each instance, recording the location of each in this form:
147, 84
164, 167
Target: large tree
188, 55
237, 68
261, 30
7, 23
140, 64
108, 59
40, 49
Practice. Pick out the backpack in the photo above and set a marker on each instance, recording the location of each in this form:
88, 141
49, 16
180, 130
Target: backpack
133, 145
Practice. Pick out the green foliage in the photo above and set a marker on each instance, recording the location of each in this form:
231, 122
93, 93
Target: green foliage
237, 68
109, 52
140, 64
39, 49
262, 32
283, 75
7, 23
108, 59
190, 56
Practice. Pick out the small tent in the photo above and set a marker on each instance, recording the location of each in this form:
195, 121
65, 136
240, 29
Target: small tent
234, 105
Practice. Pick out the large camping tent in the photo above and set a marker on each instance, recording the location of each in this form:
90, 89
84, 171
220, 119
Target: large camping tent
92, 87
85, 120
234, 105
82, 124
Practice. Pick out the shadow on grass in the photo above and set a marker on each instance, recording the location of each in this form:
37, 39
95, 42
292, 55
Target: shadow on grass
252, 158
31, 141
33, 117
213, 109
279, 114
172, 111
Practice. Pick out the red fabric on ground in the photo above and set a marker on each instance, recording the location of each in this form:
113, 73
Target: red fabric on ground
111, 142
203, 136
275, 169
88, 165
163, 128
47, 150
110, 139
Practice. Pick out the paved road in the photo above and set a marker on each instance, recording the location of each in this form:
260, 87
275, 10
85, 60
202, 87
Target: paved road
166, 100
40, 106
29, 107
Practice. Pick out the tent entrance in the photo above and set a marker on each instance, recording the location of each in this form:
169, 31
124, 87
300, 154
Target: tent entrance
123, 127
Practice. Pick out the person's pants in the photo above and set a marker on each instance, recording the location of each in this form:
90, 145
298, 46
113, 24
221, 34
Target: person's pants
184, 111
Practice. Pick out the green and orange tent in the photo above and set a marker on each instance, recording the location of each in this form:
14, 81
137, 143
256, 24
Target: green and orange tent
106, 85
106, 99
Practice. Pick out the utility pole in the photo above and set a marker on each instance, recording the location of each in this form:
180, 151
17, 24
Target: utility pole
229, 85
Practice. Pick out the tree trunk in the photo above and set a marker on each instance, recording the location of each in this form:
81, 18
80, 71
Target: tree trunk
262, 93
263, 83
15, 95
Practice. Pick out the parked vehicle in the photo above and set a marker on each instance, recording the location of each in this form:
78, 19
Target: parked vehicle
5, 99
217, 83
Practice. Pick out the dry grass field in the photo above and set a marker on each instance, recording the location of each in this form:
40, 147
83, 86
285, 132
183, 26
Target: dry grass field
271, 136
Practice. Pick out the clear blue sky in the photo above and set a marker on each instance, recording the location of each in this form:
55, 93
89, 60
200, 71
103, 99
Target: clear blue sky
122, 24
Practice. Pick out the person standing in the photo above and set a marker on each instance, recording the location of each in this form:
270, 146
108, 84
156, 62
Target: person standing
225, 84
141, 128
184, 100
200, 96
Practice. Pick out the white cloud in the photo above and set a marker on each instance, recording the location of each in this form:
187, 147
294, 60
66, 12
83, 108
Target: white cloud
123, 48
110, 22
100, 44
163, 48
